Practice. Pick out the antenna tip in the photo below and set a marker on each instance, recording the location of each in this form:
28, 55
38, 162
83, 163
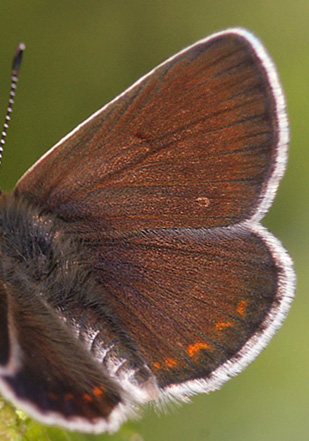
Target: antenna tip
21, 46
17, 57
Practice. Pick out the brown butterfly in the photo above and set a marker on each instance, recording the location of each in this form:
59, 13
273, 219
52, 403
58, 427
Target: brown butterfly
133, 264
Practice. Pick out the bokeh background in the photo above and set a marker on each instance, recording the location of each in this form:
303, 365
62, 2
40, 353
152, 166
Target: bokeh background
80, 54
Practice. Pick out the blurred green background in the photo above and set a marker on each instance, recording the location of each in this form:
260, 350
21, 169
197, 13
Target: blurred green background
79, 55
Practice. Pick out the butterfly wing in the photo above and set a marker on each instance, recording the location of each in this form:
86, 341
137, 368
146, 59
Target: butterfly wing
198, 140
199, 303
165, 186
47, 372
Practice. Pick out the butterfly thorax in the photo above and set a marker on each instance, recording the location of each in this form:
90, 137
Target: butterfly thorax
35, 252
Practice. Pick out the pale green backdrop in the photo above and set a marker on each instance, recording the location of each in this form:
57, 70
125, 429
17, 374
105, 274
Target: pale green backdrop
80, 54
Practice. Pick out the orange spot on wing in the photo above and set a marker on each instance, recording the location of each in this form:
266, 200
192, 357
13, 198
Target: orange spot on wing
156, 365
88, 398
241, 307
69, 396
97, 391
170, 362
222, 325
196, 347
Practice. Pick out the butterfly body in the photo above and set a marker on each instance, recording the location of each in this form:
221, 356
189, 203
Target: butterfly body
46, 273
133, 264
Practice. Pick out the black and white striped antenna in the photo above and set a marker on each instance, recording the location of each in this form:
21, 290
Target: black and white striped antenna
15, 71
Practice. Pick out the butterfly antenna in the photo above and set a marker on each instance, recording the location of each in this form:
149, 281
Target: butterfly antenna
15, 71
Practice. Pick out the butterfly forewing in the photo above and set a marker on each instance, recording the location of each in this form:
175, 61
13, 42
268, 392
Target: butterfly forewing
195, 140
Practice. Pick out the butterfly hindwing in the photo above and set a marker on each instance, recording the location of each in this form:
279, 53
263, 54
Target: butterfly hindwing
196, 300
51, 375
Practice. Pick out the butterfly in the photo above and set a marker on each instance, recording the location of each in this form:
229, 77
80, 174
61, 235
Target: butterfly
134, 267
